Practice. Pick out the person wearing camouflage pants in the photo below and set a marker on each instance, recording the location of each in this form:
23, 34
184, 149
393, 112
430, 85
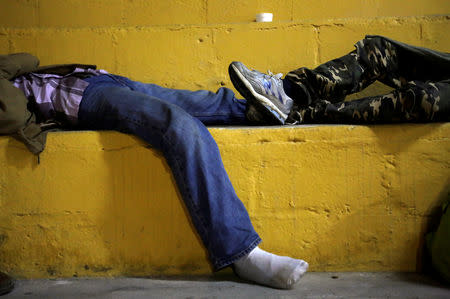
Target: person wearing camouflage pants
420, 78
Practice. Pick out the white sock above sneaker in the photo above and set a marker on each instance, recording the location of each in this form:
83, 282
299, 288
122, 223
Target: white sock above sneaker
268, 269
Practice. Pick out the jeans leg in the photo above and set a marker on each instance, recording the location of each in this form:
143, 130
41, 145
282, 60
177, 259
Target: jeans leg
219, 108
218, 215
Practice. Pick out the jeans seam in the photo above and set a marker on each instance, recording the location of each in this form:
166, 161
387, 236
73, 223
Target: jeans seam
117, 79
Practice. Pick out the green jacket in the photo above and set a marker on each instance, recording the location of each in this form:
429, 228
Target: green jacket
15, 117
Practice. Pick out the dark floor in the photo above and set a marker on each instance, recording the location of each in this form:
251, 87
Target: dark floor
313, 285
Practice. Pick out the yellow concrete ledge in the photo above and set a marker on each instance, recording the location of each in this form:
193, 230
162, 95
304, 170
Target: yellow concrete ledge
344, 198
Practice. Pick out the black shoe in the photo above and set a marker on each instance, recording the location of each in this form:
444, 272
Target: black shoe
6, 284
255, 117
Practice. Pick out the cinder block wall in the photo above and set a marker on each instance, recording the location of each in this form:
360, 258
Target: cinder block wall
342, 197
189, 44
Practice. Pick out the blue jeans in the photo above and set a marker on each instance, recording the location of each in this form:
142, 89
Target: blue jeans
173, 122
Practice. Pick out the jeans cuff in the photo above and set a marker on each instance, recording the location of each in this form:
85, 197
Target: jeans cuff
220, 264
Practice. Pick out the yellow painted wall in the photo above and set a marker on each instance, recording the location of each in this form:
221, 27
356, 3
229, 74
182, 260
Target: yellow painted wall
189, 44
355, 198
78, 13
344, 198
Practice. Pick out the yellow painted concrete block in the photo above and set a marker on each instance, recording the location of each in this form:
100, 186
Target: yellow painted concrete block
238, 11
413, 8
263, 46
22, 40
309, 9
181, 57
345, 198
75, 13
19, 13
91, 46
4, 42
380, 212
54, 46
156, 12
198, 57
338, 38
434, 33
324, 9
102, 217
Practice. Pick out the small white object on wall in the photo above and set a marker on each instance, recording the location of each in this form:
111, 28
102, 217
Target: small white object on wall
264, 17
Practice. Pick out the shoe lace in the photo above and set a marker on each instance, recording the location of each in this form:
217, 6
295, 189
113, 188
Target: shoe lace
278, 76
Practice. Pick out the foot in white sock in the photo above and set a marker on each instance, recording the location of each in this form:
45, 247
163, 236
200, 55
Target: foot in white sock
268, 269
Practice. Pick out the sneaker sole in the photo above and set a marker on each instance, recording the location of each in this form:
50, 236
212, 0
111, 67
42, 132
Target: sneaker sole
260, 102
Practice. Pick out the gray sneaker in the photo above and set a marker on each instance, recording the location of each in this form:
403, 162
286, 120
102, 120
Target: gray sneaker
264, 92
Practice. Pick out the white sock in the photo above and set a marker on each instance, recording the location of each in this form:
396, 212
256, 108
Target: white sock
268, 269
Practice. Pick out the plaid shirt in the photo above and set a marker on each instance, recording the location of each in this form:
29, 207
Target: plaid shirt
56, 95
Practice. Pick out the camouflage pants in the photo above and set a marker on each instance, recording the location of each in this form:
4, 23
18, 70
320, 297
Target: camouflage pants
420, 78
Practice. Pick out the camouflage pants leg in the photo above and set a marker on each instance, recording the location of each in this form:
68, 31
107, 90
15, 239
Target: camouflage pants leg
421, 92
415, 102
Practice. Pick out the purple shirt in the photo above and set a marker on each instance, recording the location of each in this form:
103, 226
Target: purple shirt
55, 94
